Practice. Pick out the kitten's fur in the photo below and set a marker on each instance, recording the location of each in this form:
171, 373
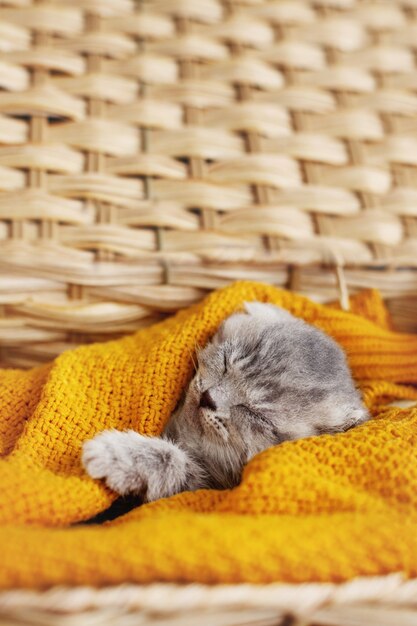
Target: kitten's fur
266, 377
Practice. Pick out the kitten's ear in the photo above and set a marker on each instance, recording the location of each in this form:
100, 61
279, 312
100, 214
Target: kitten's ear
228, 327
267, 313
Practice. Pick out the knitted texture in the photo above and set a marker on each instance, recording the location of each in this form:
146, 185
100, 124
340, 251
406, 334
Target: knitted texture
326, 508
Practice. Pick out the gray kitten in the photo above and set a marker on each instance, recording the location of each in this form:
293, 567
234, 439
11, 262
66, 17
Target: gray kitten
266, 377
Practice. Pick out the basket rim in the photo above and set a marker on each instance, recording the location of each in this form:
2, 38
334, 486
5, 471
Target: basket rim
298, 598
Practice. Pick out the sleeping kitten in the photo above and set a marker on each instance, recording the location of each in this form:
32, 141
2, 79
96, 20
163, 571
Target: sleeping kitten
266, 377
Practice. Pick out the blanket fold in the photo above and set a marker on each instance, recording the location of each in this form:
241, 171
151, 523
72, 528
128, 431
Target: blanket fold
326, 508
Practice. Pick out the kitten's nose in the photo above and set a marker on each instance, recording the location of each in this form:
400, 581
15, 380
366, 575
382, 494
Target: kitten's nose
206, 401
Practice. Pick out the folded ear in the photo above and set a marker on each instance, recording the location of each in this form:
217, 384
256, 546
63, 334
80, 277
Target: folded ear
267, 313
229, 326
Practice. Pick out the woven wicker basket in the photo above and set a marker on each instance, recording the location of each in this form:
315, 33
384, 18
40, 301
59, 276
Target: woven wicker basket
384, 601
151, 152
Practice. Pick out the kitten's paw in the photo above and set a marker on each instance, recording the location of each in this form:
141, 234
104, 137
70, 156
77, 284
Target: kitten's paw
132, 463
109, 456
359, 416
97, 455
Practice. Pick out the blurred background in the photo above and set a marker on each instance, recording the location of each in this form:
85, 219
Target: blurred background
152, 151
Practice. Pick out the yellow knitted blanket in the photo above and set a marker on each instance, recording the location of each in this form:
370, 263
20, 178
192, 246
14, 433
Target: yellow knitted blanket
326, 508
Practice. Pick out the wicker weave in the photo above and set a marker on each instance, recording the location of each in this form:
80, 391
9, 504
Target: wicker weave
382, 601
150, 152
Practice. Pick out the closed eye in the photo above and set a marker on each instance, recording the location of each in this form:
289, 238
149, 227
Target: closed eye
255, 415
258, 418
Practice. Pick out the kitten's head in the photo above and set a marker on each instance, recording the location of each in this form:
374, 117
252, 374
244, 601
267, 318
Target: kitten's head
266, 377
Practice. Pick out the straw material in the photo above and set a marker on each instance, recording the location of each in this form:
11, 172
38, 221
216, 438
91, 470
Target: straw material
152, 151
381, 601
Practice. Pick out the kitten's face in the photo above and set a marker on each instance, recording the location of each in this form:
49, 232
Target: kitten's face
267, 377
235, 396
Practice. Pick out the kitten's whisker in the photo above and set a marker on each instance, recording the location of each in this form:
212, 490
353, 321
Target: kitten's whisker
192, 358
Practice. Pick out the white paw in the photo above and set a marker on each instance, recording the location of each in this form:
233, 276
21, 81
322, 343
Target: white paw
130, 463
113, 456
97, 455
359, 416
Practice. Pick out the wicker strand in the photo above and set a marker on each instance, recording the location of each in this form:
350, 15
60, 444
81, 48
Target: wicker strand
366, 600
153, 151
